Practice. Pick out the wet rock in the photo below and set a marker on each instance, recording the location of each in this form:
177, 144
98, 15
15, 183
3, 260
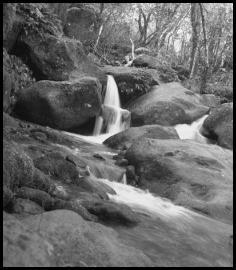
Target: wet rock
127, 137
122, 162
26, 207
195, 175
96, 155
110, 212
49, 203
22, 246
210, 100
70, 240
60, 105
166, 105
18, 169
16, 76
131, 82
219, 125
54, 164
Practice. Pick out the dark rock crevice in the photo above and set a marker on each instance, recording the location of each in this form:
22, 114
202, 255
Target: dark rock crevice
23, 51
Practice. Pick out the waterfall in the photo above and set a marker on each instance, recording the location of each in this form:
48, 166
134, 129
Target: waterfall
111, 111
192, 131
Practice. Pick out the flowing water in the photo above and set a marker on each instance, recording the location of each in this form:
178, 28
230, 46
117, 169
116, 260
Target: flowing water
169, 234
112, 102
192, 131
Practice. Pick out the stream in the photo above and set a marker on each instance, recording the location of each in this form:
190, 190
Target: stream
170, 235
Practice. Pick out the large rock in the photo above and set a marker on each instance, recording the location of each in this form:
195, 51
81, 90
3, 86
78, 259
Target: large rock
16, 76
131, 82
63, 238
219, 125
166, 72
82, 23
18, 168
51, 57
127, 137
63, 105
210, 100
12, 25
23, 247
42, 46
111, 213
167, 105
41, 158
192, 174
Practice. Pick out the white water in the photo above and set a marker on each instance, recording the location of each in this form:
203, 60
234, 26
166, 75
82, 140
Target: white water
112, 103
143, 201
192, 131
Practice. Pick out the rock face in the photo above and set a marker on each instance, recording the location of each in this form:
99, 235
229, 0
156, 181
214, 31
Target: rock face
71, 241
82, 23
12, 25
127, 137
166, 73
131, 82
16, 75
219, 125
63, 105
36, 36
192, 174
209, 100
52, 169
167, 105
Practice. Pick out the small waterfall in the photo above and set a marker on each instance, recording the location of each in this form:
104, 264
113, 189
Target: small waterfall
124, 179
192, 131
143, 201
111, 111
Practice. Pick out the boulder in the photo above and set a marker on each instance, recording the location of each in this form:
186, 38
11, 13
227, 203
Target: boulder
166, 72
82, 23
42, 46
167, 105
209, 100
18, 169
62, 105
57, 159
131, 82
12, 25
127, 137
195, 175
62, 238
219, 125
16, 76
23, 247
111, 213
26, 207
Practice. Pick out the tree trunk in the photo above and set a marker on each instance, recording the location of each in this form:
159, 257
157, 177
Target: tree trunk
195, 21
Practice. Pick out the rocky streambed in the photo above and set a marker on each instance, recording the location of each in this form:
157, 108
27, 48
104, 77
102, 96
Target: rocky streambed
68, 201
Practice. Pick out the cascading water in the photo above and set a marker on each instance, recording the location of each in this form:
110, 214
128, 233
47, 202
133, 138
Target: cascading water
111, 105
144, 201
192, 131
